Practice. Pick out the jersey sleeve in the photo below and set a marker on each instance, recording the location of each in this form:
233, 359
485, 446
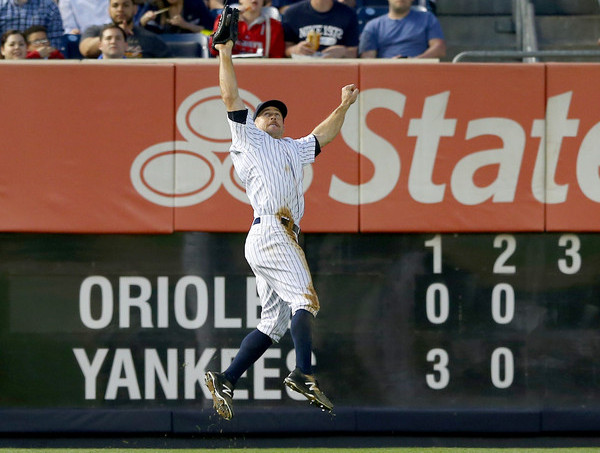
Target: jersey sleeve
245, 136
308, 148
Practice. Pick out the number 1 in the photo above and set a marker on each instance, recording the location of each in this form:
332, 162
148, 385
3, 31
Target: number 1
436, 244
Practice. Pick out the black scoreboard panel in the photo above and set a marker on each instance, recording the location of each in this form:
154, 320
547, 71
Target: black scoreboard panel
440, 322
471, 320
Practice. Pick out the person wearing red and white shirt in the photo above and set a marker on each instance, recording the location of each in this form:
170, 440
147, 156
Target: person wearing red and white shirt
258, 34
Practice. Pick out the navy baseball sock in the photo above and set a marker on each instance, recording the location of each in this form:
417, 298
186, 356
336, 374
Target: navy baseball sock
301, 331
253, 346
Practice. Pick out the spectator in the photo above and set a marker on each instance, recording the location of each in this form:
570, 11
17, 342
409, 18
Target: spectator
335, 23
113, 42
257, 33
78, 15
282, 5
12, 45
176, 16
22, 14
140, 42
38, 44
403, 33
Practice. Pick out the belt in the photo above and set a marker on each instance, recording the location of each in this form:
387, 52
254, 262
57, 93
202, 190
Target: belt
285, 222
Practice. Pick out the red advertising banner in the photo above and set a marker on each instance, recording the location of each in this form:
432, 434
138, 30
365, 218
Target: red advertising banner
448, 148
140, 148
69, 135
572, 148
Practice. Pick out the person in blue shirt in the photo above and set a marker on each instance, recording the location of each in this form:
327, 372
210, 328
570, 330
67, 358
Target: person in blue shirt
403, 32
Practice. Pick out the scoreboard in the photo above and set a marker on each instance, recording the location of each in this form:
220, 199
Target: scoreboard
477, 320
443, 323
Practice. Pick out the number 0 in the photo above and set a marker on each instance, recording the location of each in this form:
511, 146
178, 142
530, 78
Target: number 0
503, 292
502, 358
437, 303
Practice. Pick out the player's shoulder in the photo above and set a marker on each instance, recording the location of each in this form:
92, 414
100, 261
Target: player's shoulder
238, 116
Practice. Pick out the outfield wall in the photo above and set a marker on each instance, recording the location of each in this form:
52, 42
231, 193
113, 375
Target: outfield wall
122, 275
142, 148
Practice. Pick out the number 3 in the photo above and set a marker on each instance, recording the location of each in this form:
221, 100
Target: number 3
439, 357
572, 242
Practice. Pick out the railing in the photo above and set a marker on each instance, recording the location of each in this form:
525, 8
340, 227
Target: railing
526, 41
521, 54
524, 16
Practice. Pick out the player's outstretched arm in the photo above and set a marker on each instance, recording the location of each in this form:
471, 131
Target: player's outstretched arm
331, 126
227, 79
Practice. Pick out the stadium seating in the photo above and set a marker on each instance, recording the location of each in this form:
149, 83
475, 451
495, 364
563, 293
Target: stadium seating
70, 46
187, 45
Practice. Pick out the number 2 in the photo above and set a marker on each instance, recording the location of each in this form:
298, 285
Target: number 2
500, 266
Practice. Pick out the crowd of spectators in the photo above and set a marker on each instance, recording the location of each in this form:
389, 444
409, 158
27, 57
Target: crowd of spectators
36, 29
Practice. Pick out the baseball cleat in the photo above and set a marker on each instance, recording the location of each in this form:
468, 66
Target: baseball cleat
307, 385
222, 393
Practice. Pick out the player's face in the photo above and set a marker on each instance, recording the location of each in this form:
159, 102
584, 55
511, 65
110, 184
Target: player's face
270, 120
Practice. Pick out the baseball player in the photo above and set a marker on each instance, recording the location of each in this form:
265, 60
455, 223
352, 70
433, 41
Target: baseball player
270, 167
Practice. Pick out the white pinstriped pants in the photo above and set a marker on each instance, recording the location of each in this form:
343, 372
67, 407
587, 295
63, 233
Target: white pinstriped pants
283, 280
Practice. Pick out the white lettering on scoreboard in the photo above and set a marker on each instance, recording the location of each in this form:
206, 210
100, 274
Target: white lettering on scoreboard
162, 371
135, 293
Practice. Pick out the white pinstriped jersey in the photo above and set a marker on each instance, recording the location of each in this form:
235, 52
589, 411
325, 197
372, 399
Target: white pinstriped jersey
271, 171
269, 168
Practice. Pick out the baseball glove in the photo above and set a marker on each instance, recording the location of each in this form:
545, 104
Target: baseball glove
227, 29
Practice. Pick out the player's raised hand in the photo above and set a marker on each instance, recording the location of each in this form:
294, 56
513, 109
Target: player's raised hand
349, 94
225, 48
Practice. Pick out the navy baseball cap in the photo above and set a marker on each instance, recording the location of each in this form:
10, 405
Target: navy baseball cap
272, 103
